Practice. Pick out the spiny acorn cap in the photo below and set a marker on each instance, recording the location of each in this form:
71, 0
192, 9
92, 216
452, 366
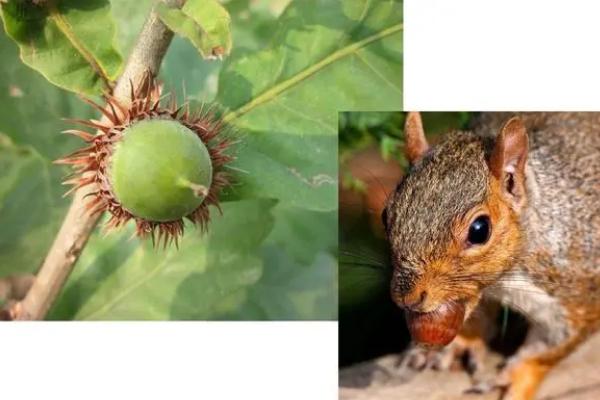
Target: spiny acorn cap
151, 163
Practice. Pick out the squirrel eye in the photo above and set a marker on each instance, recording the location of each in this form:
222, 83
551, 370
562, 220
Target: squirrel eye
479, 231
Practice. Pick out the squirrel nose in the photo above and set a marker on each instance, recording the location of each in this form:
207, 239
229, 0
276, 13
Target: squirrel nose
414, 303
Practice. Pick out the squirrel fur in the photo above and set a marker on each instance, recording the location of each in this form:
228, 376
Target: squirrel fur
536, 176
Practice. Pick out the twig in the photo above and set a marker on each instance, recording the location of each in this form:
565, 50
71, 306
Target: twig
147, 55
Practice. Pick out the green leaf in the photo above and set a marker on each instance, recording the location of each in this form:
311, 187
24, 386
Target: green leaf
302, 233
389, 147
205, 279
31, 203
32, 109
204, 22
68, 41
362, 120
325, 56
299, 278
253, 19
289, 290
28, 209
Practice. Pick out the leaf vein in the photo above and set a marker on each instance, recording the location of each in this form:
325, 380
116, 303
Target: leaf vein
302, 115
377, 72
128, 290
309, 71
67, 30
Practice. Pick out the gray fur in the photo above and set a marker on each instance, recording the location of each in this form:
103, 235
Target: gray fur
563, 184
448, 181
545, 312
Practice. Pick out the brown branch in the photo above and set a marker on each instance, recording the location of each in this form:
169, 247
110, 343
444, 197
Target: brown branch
147, 55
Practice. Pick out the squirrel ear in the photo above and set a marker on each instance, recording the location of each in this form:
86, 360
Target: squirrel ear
416, 143
508, 159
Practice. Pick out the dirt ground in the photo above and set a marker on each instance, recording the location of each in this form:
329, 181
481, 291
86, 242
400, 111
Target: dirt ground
576, 378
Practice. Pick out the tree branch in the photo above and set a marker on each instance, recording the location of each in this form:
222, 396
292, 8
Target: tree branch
147, 55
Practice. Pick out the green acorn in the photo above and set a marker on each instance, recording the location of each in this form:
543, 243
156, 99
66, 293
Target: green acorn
153, 164
176, 170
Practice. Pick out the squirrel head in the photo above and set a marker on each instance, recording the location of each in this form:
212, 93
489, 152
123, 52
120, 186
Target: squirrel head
453, 222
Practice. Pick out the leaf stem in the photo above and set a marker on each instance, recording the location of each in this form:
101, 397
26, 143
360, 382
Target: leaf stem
147, 55
299, 77
198, 189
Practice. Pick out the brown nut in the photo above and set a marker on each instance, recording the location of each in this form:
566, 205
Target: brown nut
436, 328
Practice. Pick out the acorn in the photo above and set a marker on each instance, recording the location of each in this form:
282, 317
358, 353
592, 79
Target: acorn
436, 328
151, 163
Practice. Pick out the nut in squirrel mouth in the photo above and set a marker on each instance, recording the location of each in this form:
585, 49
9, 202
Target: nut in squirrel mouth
438, 327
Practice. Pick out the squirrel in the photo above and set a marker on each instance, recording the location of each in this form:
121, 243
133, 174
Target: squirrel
507, 211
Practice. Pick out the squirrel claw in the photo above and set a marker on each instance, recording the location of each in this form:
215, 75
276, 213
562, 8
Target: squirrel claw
419, 359
414, 359
500, 382
486, 386
482, 387
460, 354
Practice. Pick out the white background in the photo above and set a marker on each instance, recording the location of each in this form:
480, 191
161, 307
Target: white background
168, 360
509, 55
459, 55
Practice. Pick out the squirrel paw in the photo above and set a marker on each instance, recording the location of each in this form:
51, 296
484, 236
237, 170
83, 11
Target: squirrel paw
500, 381
462, 353
517, 380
